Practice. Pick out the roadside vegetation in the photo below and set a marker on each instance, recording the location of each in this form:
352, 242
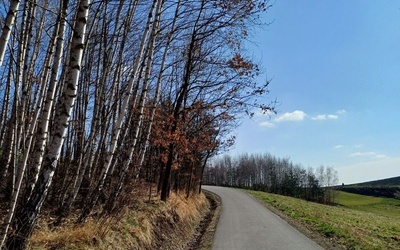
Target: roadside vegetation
357, 222
143, 224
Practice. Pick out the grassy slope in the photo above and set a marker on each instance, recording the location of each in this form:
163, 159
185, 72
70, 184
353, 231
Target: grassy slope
143, 225
360, 223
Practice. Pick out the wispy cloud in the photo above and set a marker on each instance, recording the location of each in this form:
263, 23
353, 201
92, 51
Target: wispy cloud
334, 116
356, 154
381, 156
339, 146
324, 117
296, 115
368, 154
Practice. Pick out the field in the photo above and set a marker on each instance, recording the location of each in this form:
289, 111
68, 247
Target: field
377, 205
357, 222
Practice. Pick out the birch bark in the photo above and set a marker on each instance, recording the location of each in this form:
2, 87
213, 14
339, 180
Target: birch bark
8, 25
142, 100
19, 178
117, 127
99, 117
27, 215
43, 126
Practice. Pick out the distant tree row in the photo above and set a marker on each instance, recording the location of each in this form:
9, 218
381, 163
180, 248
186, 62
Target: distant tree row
264, 172
96, 96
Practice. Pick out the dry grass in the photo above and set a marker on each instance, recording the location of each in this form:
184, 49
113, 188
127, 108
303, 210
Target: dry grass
188, 209
139, 226
69, 236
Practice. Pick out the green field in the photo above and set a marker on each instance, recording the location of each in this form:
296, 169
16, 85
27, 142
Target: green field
377, 205
358, 222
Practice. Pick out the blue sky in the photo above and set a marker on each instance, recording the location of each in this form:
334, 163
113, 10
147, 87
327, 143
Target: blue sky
336, 70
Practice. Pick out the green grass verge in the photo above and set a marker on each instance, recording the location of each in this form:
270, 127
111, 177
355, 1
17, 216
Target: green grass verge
349, 225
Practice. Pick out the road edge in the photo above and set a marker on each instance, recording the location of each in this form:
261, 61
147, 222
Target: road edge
210, 221
317, 238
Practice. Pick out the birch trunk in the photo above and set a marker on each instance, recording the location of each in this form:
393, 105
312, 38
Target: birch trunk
6, 132
157, 92
28, 214
43, 127
89, 157
8, 25
21, 174
117, 127
142, 100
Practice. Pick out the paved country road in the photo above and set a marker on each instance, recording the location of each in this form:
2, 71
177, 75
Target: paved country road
246, 224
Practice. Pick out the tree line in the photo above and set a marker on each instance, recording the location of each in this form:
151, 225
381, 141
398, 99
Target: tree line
265, 172
98, 95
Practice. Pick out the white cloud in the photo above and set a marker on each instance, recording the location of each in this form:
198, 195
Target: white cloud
267, 124
356, 154
324, 117
350, 146
380, 156
368, 154
296, 115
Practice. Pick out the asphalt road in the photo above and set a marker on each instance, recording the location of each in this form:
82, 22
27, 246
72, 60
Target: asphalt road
246, 224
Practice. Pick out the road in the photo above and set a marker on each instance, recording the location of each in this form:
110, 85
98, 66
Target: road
246, 224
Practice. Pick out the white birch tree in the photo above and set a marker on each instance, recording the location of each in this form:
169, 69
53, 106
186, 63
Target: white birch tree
8, 25
118, 125
27, 215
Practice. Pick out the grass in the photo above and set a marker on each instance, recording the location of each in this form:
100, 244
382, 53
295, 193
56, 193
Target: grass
377, 205
137, 227
360, 222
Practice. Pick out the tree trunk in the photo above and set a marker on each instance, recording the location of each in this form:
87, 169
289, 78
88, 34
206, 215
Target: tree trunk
29, 212
177, 109
138, 127
157, 92
8, 25
43, 126
117, 126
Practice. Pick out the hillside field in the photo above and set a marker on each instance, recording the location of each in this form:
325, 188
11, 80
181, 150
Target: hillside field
357, 222
377, 205
389, 188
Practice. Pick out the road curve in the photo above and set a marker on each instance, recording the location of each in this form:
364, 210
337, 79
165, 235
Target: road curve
246, 224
